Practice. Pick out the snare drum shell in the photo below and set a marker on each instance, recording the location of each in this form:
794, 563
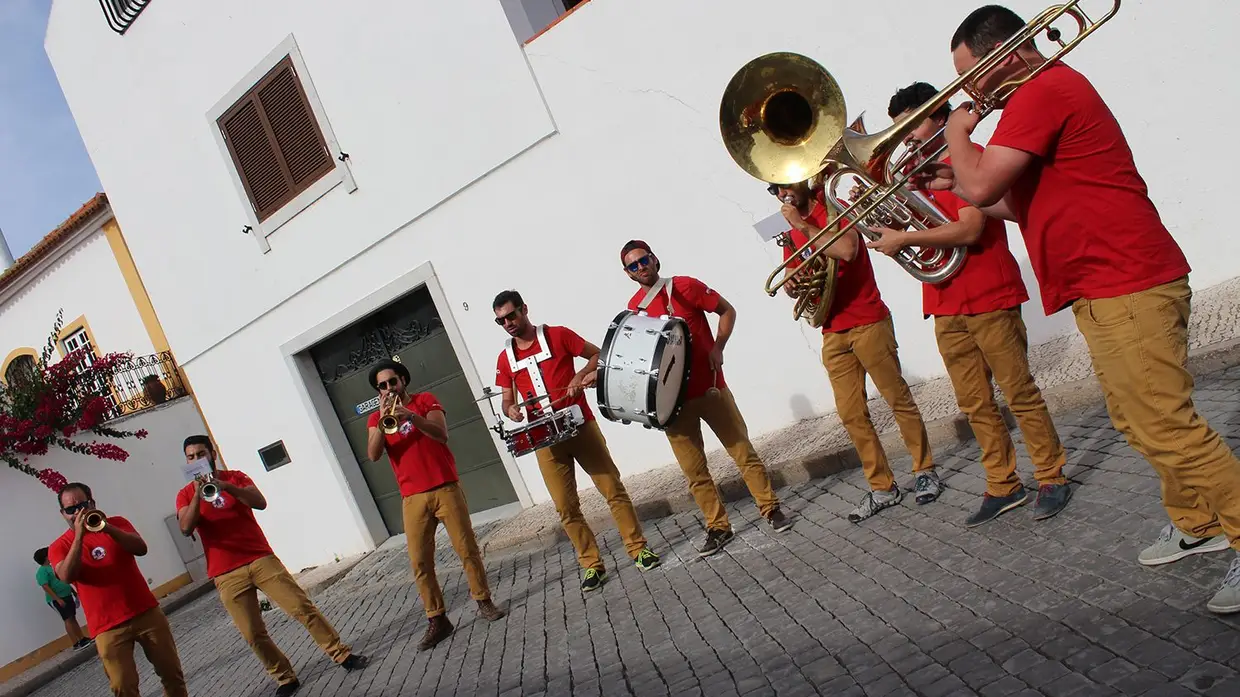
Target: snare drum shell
651, 381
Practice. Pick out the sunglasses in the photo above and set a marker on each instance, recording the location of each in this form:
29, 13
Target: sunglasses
639, 264
510, 316
72, 510
392, 384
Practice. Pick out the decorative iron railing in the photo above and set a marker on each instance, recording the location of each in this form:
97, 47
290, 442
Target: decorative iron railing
122, 13
141, 383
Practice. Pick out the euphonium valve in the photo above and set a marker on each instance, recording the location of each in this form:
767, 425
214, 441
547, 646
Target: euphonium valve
95, 521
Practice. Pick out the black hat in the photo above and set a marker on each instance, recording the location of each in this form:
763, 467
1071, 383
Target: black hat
388, 364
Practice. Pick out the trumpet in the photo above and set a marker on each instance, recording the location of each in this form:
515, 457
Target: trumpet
782, 119
95, 521
210, 491
388, 421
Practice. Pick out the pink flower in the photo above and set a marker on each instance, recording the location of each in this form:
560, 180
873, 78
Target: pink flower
52, 479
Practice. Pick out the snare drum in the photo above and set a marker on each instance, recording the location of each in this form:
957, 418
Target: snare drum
545, 431
643, 369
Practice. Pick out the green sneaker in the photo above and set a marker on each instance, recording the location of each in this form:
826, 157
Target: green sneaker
647, 560
593, 580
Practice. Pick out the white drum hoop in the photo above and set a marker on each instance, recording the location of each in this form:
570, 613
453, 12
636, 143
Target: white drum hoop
559, 426
649, 418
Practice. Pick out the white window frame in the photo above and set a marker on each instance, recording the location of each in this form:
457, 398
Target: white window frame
340, 174
85, 342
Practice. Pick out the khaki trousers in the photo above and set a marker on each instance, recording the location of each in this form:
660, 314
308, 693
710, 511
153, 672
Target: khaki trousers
1139, 347
685, 436
149, 630
975, 348
422, 513
589, 449
848, 357
239, 593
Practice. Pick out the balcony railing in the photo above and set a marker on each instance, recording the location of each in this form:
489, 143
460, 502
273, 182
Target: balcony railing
142, 383
122, 13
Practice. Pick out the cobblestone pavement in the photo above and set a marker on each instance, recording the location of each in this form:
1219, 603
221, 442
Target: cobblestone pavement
909, 602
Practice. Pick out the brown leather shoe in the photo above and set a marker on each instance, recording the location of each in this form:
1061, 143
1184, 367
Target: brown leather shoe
488, 611
437, 630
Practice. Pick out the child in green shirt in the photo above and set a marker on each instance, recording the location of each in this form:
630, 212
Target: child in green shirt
60, 597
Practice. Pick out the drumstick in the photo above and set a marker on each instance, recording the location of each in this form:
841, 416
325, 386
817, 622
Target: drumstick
714, 383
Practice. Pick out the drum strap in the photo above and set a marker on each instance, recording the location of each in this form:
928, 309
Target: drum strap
655, 290
530, 363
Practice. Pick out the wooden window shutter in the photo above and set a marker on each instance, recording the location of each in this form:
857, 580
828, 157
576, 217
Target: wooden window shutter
275, 142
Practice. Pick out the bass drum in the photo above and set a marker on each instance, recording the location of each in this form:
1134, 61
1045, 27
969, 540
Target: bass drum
643, 369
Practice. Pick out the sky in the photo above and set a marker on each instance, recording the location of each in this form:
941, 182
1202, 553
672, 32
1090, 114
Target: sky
45, 173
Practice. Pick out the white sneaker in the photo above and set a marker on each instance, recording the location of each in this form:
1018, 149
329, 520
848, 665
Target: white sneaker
1173, 545
1227, 599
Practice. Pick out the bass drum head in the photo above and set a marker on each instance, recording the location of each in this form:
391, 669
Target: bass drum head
672, 360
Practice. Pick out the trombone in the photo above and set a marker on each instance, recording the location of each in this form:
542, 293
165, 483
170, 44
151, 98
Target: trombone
95, 521
780, 110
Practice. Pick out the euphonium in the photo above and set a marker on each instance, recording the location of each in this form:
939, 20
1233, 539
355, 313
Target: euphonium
780, 109
388, 421
95, 521
813, 284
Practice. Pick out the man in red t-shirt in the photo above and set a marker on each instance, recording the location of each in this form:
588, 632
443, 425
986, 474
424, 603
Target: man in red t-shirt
1059, 165
538, 363
980, 333
430, 492
120, 609
707, 397
858, 339
241, 563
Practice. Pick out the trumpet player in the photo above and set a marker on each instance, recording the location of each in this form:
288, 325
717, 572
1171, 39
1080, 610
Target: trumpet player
549, 352
980, 333
241, 563
858, 339
707, 397
97, 556
1058, 164
430, 490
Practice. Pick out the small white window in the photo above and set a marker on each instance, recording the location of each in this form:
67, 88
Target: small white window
80, 340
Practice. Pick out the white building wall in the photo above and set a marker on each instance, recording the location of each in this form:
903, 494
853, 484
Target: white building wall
633, 87
85, 281
142, 489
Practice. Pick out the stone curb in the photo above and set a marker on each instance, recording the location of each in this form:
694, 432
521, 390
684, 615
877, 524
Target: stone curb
48, 671
944, 433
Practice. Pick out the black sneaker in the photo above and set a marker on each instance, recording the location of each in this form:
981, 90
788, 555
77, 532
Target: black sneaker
1051, 500
288, 688
647, 560
927, 487
715, 540
778, 521
354, 662
593, 580
83, 643
994, 506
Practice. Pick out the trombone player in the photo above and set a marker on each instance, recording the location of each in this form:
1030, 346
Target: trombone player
1058, 164
858, 339
413, 431
97, 556
980, 332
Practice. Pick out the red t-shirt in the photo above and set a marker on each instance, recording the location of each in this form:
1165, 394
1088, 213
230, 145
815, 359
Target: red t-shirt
420, 462
988, 281
231, 537
110, 584
690, 300
857, 301
1084, 210
557, 371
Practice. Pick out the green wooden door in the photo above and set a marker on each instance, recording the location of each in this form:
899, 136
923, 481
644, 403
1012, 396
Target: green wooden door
410, 331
